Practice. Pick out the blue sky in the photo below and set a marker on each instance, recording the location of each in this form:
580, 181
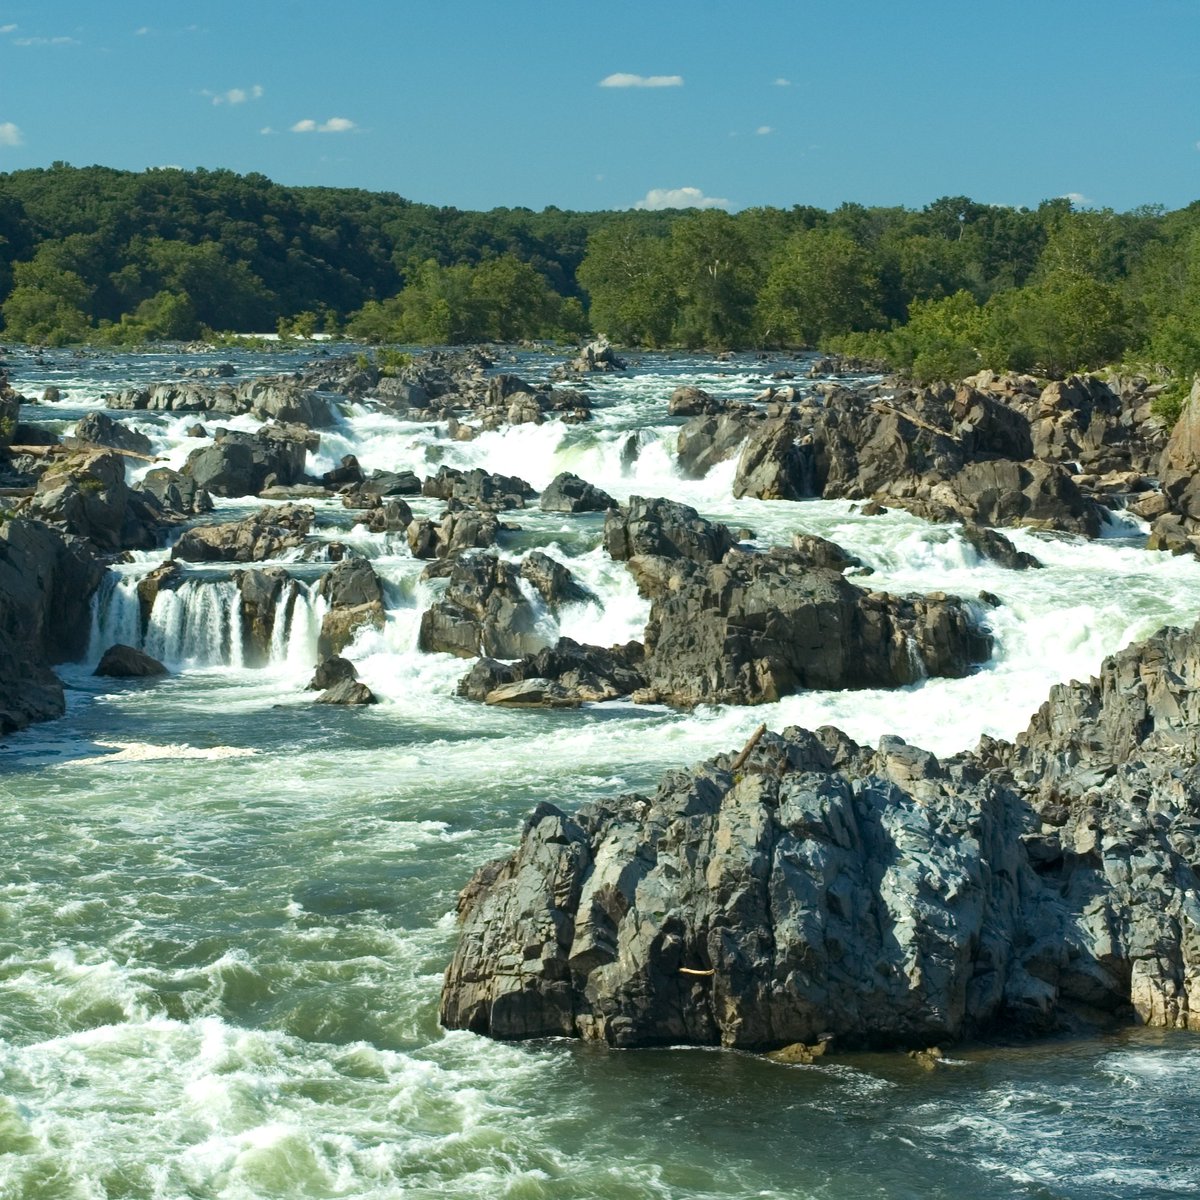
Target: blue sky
612, 103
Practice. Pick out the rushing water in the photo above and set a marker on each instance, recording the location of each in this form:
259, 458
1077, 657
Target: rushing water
224, 912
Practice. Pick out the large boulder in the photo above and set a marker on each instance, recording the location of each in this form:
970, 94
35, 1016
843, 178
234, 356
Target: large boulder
264, 535
100, 429
127, 662
483, 611
756, 627
812, 889
355, 598
568, 493
478, 487
267, 596
242, 464
664, 529
579, 672
87, 495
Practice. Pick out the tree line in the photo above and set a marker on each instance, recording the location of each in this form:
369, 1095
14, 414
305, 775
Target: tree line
104, 255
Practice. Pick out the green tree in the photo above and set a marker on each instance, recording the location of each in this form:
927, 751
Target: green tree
626, 274
47, 304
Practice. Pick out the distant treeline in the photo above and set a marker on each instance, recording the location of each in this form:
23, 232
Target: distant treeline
98, 254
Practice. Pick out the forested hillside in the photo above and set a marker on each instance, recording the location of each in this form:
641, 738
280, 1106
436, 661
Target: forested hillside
104, 255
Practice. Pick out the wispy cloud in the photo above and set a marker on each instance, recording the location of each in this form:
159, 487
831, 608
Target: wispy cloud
9, 28
1076, 198
621, 80
142, 31
10, 134
781, 82
266, 131
333, 125
763, 130
684, 197
45, 41
237, 95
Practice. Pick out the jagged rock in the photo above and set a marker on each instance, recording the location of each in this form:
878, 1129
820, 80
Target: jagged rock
346, 472
664, 529
261, 592
689, 401
355, 598
821, 552
347, 691
569, 493
596, 356
755, 627
126, 662
176, 492
47, 580
478, 487
273, 399
264, 535
101, 430
584, 673
87, 494
531, 693
814, 889
995, 547
705, 441
483, 611
392, 517
552, 581
330, 671
391, 483
242, 464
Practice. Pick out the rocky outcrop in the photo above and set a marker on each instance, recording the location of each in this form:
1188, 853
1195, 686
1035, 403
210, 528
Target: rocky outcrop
242, 464
664, 529
580, 673
355, 598
261, 592
266, 534
483, 611
756, 627
278, 398
812, 889
568, 493
100, 429
460, 528
47, 579
127, 662
478, 487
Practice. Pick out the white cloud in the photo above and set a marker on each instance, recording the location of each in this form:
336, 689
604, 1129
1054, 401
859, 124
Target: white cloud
266, 131
8, 28
684, 197
763, 130
45, 41
10, 134
237, 95
781, 82
621, 80
1075, 198
142, 31
333, 125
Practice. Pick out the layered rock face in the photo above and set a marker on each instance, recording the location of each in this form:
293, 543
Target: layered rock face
46, 584
813, 888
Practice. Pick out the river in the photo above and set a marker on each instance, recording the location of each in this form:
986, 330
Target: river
224, 912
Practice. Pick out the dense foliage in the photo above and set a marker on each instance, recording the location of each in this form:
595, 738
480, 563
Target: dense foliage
100, 254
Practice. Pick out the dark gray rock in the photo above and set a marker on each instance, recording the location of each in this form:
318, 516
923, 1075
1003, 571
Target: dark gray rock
355, 598
348, 692
87, 495
330, 671
995, 547
484, 611
266, 534
101, 430
568, 493
552, 581
478, 487
126, 662
664, 529
242, 464
583, 673
812, 889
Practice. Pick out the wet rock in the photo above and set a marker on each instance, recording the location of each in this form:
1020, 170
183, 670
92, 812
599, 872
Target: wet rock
689, 401
348, 692
176, 492
355, 598
483, 611
391, 483
705, 441
596, 356
242, 464
331, 670
99, 429
552, 581
47, 580
569, 493
754, 628
995, 547
478, 487
266, 534
87, 495
261, 592
125, 662
585, 673
531, 693
394, 516
347, 472
664, 529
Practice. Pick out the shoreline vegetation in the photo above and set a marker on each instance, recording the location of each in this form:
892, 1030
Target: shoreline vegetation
96, 255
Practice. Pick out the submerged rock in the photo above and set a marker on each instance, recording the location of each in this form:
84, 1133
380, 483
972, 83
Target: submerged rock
813, 888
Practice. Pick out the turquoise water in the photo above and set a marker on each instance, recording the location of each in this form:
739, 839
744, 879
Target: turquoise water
224, 913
